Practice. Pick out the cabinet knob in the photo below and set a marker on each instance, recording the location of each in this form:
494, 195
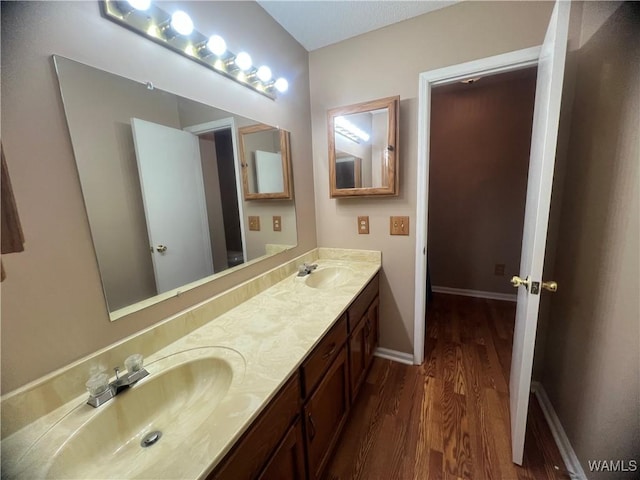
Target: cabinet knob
332, 349
312, 426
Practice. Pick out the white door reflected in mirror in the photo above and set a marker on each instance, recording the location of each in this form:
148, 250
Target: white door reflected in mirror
173, 194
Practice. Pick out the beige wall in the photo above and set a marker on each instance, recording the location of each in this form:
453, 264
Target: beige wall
53, 308
256, 240
384, 63
480, 142
591, 368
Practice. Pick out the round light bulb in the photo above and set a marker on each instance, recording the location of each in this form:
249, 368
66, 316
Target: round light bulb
264, 73
182, 23
217, 45
281, 85
141, 5
243, 61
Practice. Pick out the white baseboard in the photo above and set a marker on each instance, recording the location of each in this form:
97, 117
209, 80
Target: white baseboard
508, 297
394, 355
569, 456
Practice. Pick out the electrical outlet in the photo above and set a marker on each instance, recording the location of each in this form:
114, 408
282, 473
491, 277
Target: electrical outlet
277, 223
399, 226
499, 270
254, 223
363, 224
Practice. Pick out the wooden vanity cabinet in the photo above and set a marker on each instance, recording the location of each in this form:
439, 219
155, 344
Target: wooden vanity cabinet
287, 463
363, 336
265, 443
294, 438
371, 334
325, 413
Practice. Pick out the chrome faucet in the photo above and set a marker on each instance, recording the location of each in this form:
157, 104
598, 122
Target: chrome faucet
101, 390
305, 269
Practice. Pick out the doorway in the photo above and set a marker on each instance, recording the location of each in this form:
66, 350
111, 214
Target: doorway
550, 60
480, 142
218, 165
221, 163
509, 62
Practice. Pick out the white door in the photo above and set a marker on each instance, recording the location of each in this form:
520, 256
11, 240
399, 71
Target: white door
170, 172
542, 158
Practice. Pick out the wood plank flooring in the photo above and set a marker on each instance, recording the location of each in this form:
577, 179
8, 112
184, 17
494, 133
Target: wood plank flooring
448, 418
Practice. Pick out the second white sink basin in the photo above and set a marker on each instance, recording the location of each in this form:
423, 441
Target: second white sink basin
329, 277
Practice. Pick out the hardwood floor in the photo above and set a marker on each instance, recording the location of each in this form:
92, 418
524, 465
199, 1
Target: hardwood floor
448, 418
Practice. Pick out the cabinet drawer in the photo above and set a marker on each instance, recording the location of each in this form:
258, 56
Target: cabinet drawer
360, 305
252, 451
322, 356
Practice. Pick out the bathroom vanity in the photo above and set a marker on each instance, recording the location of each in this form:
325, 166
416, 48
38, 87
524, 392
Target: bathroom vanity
256, 382
307, 415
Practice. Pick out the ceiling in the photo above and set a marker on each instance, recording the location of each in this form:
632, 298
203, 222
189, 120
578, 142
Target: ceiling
316, 24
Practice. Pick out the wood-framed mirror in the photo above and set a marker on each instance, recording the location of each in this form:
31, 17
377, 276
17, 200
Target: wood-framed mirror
266, 163
363, 149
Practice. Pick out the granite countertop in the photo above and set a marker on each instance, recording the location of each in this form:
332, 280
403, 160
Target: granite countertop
272, 331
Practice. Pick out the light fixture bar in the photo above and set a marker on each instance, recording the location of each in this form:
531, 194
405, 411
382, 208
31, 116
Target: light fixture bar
345, 128
156, 25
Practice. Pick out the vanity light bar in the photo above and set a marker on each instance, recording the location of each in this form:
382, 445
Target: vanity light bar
176, 32
347, 129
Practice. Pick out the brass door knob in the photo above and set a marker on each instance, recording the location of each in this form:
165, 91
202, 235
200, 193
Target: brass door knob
517, 281
551, 286
161, 248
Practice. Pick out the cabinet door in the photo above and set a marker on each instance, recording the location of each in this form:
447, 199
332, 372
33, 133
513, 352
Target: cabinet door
371, 332
287, 462
358, 348
250, 454
325, 413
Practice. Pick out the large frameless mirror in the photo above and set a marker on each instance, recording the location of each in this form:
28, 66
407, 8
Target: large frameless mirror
363, 149
161, 182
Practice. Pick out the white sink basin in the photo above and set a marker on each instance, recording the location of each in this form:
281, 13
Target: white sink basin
328, 277
178, 399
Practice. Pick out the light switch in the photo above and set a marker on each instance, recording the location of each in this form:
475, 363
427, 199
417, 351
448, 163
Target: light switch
399, 226
363, 224
254, 223
277, 223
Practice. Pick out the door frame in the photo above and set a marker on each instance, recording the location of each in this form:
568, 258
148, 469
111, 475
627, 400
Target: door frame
506, 62
223, 124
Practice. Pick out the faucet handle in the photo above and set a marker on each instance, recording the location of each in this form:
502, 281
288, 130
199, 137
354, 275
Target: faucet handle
97, 384
134, 363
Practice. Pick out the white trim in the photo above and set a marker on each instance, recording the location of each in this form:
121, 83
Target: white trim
568, 454
223, 124
394, 355
486, 66
507, 297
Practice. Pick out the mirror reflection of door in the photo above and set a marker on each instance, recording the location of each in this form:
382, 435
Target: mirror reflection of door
348, 171
169, 164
